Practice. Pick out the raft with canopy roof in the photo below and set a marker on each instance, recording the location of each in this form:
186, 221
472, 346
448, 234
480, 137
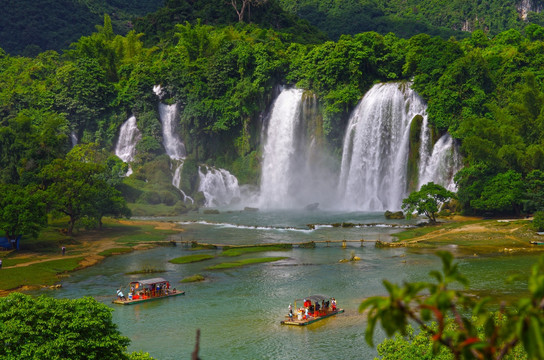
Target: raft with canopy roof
146, 290
311, 309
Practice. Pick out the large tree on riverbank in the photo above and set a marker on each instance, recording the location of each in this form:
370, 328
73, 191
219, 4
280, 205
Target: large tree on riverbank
22, 210
80, 186
427, 200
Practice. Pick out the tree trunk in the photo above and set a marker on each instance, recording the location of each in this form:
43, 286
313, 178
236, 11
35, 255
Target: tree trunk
240, 12
71, 225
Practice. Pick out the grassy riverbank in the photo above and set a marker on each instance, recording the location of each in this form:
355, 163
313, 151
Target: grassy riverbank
40, 261
471, 236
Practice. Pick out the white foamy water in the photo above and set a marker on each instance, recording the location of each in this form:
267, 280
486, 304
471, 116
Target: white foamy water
219, 186
375, 154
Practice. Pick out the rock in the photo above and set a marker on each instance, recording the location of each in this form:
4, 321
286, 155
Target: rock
312, 207
394, 215
211, 211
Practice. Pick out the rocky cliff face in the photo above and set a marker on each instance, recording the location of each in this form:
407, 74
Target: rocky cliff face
526, 6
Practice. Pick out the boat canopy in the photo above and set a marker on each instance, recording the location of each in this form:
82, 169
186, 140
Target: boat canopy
150, 281
315, 298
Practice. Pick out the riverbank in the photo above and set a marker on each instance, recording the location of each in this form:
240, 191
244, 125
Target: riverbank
474, 236
462, 236
41, 263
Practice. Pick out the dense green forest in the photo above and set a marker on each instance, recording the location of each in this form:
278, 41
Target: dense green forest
29, 27
407, 18
484, 90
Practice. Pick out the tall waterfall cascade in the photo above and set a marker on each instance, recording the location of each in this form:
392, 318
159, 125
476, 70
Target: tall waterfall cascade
171, 141
442, 164
295, 170
374, 167
219, 186
129, 136
173, 145
279, 149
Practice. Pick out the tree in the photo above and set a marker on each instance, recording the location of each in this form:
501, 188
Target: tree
22, 210
78, 187
427, 200
46, 328
241, 5
459, 317
503, 193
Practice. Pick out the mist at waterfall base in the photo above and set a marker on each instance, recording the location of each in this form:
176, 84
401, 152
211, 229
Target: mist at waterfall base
372, 175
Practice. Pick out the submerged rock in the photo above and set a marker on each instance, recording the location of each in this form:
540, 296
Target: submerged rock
312, 207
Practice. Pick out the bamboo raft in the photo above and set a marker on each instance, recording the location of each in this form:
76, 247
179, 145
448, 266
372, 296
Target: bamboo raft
311, 319
146, 299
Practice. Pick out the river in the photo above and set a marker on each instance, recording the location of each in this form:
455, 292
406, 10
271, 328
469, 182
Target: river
238, 311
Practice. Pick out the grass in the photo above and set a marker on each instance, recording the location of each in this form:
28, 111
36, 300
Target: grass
44, 273
424, 230
191, 258
152, 210
253, 249
115, 251
229, 265
53, 237
6, 261
193, 278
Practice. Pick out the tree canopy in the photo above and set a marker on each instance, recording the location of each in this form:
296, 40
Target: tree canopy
427, 200
43, 327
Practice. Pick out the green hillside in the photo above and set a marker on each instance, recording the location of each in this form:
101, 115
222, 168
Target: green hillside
29, 27
410, 17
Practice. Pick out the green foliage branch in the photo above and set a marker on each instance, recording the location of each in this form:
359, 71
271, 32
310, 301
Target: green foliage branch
458, 315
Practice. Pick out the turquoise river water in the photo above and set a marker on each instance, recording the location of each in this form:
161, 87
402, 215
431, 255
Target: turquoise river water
238, 311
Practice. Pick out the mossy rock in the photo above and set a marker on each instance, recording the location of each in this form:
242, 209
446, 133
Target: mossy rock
394, 214
211, 211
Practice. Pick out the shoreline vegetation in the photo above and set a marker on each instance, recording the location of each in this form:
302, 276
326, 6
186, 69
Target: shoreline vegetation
40, 262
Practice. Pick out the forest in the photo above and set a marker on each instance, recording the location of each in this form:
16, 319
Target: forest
484, 89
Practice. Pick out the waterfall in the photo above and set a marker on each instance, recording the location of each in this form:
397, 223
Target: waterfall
297, 170
442, 165
129, 135
73, 138
219, 186
176, 181
373, 175
172, 143
279, 149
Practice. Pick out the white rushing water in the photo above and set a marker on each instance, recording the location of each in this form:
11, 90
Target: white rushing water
279, 150
73, 138
172, 142
373, 173
442, 165
219, 186
129, 135
173, 145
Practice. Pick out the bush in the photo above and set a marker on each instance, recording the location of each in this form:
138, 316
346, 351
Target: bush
538, 221
150, 197
168, 198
